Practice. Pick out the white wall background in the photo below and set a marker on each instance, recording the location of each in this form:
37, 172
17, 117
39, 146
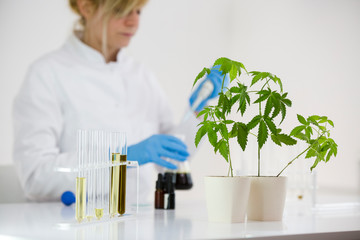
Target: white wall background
313, 46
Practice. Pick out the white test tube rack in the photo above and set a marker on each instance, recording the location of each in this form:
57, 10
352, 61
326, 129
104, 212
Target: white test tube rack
101, 180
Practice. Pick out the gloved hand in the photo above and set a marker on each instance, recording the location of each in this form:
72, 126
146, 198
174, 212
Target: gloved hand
216, 78
157, 146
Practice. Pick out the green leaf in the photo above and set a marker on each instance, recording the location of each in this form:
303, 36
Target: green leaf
228, 121
224, 149
212, 136
311, 153
242, 135
286, 139
201, 74
224, 63
275, 139
283, 112
276, 104
233, 73
317, 160
234, 131
200, 134
254, 122
256, 78
224, 131
297, 130
331, 122
263, 97
268, 107
262, 134
301, 119
235, 89
271, 125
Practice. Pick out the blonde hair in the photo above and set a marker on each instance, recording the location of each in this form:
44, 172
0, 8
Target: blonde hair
117, 8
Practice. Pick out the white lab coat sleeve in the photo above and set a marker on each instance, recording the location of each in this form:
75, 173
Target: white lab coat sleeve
38, 126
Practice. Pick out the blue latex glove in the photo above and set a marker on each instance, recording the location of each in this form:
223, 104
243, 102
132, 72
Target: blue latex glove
155, 147
216, 78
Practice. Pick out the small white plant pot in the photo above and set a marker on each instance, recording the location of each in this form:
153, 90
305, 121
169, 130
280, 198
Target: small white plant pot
227, 198
267, 198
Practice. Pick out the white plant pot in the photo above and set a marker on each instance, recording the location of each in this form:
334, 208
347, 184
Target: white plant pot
267, 198
227, 198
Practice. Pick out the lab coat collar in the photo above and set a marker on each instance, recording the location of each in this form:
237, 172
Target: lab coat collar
89, 53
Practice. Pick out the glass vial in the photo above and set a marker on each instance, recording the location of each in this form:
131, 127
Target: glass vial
159, 193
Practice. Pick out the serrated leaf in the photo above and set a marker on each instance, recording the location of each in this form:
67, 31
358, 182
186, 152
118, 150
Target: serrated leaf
224, 131
212, 136
201, 74
242, 135
297, 130
271, 125
301, 119
254, 122
262, 134
234, 131
276, 104
255, 79
228, 121
301, 136
283, 112
200, 134
268, 107
287, 140
275, 140
262, 98
233, 73
317, 160
235, 89
224, 150
278, 81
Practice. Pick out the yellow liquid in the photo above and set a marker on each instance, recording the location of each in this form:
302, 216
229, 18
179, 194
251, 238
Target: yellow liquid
99, 212
80, 198
122, 186
114, 186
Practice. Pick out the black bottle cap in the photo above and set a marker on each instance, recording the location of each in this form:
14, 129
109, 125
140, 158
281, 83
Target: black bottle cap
159, 182
169, 185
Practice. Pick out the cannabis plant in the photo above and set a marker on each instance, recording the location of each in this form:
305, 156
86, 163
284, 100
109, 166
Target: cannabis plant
272, 103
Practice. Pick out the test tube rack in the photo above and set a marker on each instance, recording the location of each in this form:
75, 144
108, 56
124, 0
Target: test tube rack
102, 179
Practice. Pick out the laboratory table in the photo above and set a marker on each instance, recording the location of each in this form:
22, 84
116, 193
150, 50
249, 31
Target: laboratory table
187, 221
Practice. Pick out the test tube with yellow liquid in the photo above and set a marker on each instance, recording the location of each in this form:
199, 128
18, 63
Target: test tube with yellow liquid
80, 206
118, 150
99, 191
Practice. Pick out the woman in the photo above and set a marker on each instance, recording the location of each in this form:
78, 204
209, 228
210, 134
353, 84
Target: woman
90, 83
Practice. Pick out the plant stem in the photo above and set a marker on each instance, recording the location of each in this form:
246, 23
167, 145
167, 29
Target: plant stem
289, 163
230, 164
258, 161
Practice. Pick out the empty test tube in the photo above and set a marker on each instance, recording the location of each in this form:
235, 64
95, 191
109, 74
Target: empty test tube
80, 206
90, 166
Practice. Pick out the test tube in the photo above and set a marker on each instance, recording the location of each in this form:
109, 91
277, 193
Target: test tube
80, 205
90, 173
122, 186
99, 203
115, 173
106, 170
118, 150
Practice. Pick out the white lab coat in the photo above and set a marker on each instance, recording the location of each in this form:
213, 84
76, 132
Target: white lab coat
74, 88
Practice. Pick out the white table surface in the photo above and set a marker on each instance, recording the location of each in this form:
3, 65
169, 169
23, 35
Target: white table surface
187, 221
